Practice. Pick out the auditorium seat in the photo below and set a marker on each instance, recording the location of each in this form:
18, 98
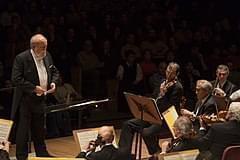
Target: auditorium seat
231, 153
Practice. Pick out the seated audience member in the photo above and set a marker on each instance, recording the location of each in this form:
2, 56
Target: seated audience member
184, 131
130, 77
59, 123
157, 78
4, 149
104, 140
220, 135
65, 92
205, 105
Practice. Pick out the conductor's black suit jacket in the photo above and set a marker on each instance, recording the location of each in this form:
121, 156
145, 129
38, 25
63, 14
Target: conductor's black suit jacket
25, 77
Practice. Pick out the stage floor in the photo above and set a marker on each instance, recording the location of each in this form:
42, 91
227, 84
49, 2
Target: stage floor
66, 147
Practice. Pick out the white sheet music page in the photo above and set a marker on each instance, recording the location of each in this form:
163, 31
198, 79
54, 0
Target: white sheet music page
5, 128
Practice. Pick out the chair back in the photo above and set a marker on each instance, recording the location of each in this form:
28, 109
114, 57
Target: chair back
231, 153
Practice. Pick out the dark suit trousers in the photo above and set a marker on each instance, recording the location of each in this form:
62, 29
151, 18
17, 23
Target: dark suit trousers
149, 135
31, 118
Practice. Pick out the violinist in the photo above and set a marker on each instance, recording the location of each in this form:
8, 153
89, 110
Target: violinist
170, 94
222, 86
171, 89
220, 135
184, 131
205, 104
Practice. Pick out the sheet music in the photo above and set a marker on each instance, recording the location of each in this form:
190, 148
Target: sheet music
189, 154
48, 158
84, 136
173, 157
182, 155
170, 116
5, 128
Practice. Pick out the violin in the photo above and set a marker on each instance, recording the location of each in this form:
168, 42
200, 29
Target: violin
208, 119
218, 118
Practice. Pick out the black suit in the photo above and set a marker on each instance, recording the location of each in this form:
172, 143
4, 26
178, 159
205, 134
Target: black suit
219, 137
28, 109
228, 87
206, 108
4, 155
181, 145
172, 97
108, 152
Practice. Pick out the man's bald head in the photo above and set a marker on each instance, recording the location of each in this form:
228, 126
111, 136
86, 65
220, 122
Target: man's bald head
106, 132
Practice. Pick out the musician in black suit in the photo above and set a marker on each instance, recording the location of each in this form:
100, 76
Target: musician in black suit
221, 85
34, 76
107, 150
184, 132
221, 135
205, 105
170, 94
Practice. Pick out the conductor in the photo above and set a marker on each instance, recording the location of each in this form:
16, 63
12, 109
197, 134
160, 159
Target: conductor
34, 76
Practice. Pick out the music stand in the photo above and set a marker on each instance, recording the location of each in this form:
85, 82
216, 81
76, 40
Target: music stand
145, 109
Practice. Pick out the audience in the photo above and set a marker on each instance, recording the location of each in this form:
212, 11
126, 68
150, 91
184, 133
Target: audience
89, 40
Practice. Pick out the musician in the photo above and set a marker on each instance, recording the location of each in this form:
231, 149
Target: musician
184, 131
220, 135
171, 89
4, 150
107, 149
222, 86
170, 94
205, 105
34, 76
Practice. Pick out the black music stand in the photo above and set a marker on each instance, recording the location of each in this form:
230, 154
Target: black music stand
145, 109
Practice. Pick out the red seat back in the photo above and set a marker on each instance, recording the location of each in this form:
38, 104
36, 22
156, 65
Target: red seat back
231, 153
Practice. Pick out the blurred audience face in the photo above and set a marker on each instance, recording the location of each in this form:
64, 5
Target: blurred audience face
147, 55
88, 47
162, 67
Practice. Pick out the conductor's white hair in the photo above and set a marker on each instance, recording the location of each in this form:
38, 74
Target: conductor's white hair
37, 39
